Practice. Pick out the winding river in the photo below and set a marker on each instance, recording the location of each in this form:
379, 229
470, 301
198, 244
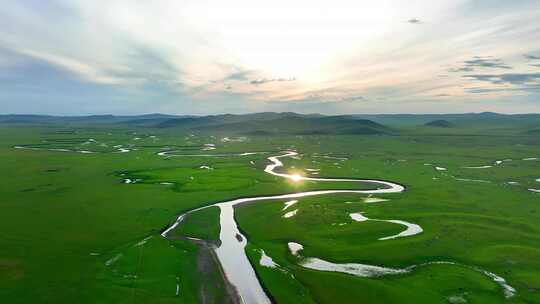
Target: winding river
231, 252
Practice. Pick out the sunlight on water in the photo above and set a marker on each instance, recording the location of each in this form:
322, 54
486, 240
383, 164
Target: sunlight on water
296, 177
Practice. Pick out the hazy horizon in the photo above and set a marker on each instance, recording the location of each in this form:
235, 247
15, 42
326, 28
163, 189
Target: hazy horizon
251, 113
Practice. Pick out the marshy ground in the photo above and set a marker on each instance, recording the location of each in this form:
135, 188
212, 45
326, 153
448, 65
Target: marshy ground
75, 231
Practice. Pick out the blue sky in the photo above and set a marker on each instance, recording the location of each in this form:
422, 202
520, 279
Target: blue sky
207, 57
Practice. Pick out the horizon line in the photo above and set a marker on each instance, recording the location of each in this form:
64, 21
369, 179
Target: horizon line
265, 112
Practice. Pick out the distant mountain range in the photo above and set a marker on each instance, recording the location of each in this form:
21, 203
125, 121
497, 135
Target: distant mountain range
45, 119
268, 123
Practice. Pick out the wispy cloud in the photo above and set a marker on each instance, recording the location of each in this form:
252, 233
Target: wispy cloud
461, 69
510, 78
266, 80
213, 56
481, 62
504, 90
534, 60
486, 62
238, 76
531, 57
86, 71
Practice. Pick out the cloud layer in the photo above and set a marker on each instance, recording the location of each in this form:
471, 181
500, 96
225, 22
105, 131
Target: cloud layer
205, 57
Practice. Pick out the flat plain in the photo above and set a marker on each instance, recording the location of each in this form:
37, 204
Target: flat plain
83, 206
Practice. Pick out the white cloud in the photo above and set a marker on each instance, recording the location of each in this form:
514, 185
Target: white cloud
86, 71
349, 48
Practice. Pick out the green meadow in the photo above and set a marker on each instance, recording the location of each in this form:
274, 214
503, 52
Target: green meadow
81, 227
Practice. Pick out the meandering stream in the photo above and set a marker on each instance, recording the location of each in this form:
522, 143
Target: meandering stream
231, 252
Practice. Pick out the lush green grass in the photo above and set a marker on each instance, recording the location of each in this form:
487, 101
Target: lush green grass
203, 224
490, 225
64, 215
59, 208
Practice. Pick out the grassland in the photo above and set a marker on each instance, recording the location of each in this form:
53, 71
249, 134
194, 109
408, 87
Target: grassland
75, 232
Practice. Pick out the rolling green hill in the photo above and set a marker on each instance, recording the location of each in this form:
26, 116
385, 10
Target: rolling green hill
441, 123
272, 123
300, 125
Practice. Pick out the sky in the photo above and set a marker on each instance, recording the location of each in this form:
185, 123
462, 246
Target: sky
83, 57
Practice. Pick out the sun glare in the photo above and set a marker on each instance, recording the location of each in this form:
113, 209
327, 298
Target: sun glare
296, 177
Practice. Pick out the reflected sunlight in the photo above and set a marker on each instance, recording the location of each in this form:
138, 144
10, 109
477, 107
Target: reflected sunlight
296, 177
